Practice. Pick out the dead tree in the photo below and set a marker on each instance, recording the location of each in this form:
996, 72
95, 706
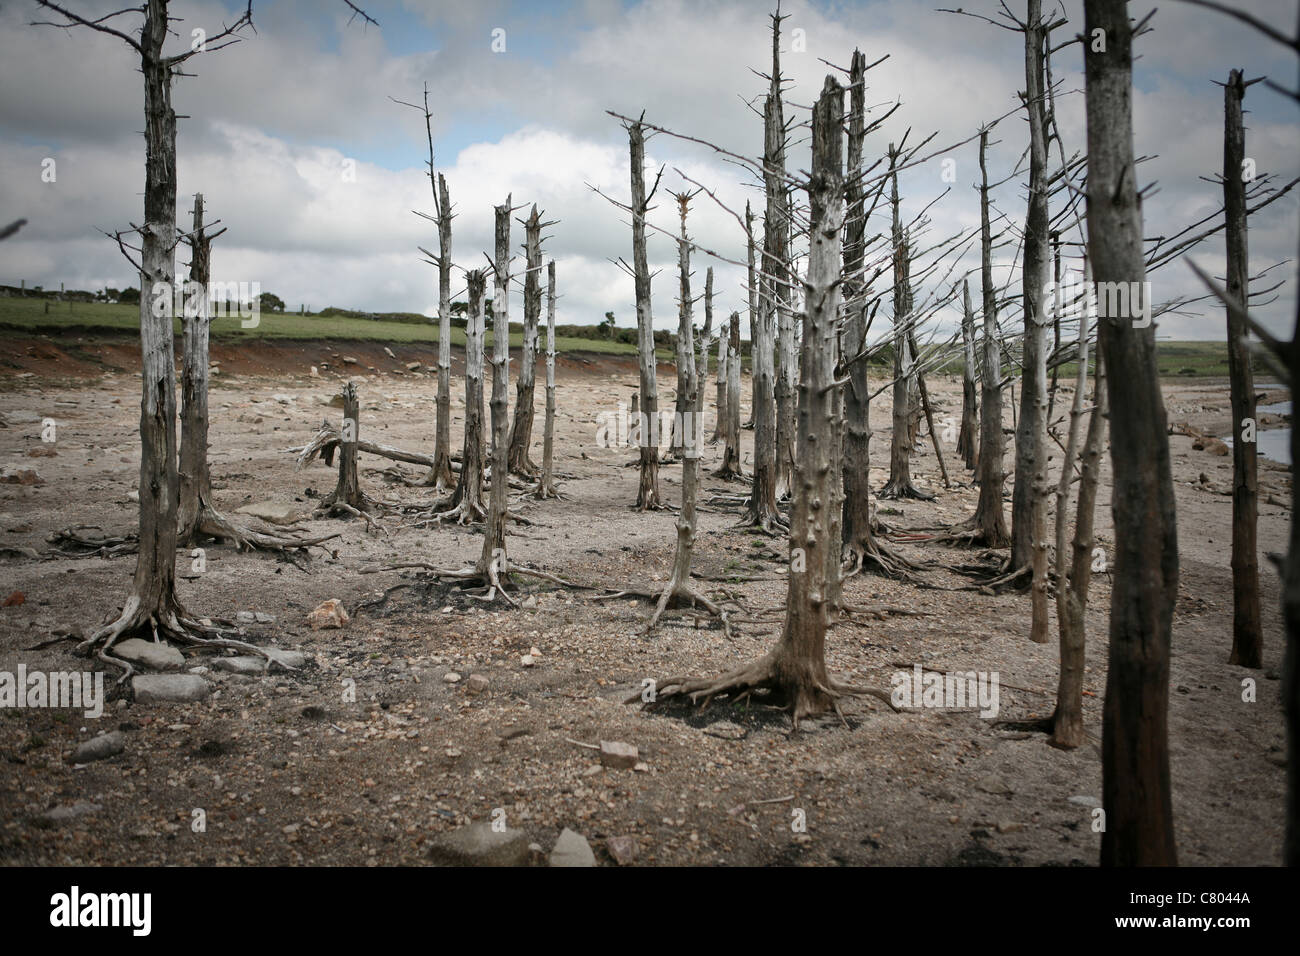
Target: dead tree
967, 441
1029, 541
347, 496
152, 607
720, 402
1247, 634
521, 431
730, 469
1135, 746
546, 484
795, 669
900, 445
647, 496
439, 476
466, 505
678, 591
1074, 568
492, 562
761, 511
197, 516
775, 267
702, 366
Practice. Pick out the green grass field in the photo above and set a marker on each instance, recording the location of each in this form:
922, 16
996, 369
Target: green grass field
28, 316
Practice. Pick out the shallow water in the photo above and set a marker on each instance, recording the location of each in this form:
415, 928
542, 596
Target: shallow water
1272, 443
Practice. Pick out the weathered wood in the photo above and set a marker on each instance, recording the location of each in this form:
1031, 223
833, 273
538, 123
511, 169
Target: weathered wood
546, 484
775, 267
647, 429
1247, 633
348, 490
521, 431
440, 475
730, 467
492, 562
990, 517
968, 437
1144, 580
761, 511
194, 476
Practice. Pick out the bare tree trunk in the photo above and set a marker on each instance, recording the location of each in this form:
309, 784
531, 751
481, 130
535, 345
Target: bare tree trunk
152, 601
720, 426
762, 510
1074, 570
967, 441
647, 496
990, 518
195, 479
492, 562
1056, 313
521, 432
348, 490
1247, 635
466, 504
775, 270
440, 476
678, 591
1029, 496
900, 444
546, 486
1144, 583
926, 408
730, 467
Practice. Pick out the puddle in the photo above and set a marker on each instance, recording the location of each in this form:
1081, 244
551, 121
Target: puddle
1273, 444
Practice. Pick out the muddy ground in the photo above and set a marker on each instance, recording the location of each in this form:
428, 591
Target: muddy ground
287, 771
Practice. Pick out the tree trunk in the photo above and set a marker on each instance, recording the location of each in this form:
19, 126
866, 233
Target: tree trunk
440, 476
546, 486
990, 518
492, 561
521, 432
1247, 635
731, 454
762, 511
775, 269
1074, 571
195, 480
1144, 582
799, 659
900, 443
647, 496
702, 367
967, 443
1029, 495
348, 490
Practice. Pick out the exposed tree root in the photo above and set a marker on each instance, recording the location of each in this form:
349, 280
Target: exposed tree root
69, 543
680, 594
491, 578
803, 696
899, 490
213, 524
872, 554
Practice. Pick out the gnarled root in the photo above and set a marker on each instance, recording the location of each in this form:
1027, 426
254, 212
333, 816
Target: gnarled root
903, 489
680, 594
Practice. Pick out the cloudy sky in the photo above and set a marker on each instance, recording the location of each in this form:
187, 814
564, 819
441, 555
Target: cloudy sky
275, 123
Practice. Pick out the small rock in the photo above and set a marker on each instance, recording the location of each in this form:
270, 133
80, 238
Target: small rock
15, 599
1007, 826
1085, 801
726, 730
477, 684
245, 617
273, 511
572, 849
261, 618
20, 476
993, 784
98, 748
328, 614
169, 688
451, 677
156, 655
530, 602
527, 660
413, 366
618, 755
349, 360
42, 451
623, 849
479, 845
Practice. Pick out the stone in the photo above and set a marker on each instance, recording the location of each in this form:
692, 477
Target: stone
1085, 801
1007, 826
282, 399
476, 684
245, 617
42, 451
623, 849
20, 476
156, 655
451, 677
286, 658
726, 730
273, 511
240, 665
349, 360
993, 784
15, 599
169, 688
618, 755
527, 660
413, 366
328, 614
99, 748
479, 845
261, 618
572, 849
66, 812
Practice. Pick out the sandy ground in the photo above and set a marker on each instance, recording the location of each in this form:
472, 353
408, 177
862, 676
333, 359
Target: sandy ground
287, 771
